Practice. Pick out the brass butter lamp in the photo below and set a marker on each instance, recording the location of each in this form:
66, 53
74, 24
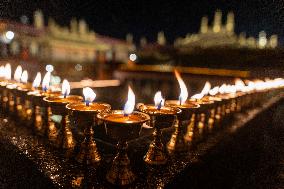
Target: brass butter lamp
85, 115
3, 86
39, 107
22, 103
123, 125
59, 132
11, 91
187, 118
161, 117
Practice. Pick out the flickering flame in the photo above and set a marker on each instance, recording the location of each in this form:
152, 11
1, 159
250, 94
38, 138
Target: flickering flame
18, 73
183, 90
45, 81
222, 89
129, 105
24, 77
204, 91
230, 89
279, 82
214, 91
159, 100
65, 88
37, 80
233, 89
89, 95
240, 85
197, 96
259, 85
8, 71
251, 85
2, 71
206, 88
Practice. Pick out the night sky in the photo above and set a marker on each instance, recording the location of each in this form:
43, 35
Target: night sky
145, 18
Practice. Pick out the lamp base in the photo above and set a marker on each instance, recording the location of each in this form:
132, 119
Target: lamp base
177, 142
191, 132
120, 172
88, 150
67, 137
156, 153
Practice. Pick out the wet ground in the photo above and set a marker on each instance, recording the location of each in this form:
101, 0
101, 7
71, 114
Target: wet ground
251, 157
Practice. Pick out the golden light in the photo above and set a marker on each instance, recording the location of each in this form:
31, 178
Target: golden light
214, 91
159, 100
18, 73
89, 95
8, 71
230, 89
37, 80
65, 89
24, 77
198, 96
183, 90
129, 105
279, 82
258, 85
206, 88
222, 89
233, 89
251, 86
46, 81
240, 85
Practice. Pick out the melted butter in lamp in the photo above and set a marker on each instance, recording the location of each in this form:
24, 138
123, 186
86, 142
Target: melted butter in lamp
151, 109
187, 104
121, 118
24, 86
211, 98
50, 93
224, 96
38, 92
92, 106
66, 100
202, 101
11, 86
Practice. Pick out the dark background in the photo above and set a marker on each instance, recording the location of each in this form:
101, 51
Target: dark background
145, 18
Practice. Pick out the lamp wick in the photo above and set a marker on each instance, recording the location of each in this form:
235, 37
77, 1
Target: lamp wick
160, 105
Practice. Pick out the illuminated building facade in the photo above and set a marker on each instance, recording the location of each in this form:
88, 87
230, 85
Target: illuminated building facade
52, 42
223, 35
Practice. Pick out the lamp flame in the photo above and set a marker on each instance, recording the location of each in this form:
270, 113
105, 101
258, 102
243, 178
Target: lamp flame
197, 96
65, 88
8, 71
183, 90
129, 105
214, 91
37, 80
222, 89
24, 77
159, 100
45, 81
206, 88
18, 73
89, 95
240, 85
230, 89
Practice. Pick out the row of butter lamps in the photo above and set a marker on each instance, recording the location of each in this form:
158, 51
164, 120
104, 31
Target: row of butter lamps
49, 110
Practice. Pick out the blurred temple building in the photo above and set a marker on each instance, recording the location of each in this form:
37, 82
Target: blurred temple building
55, 43
223, 35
